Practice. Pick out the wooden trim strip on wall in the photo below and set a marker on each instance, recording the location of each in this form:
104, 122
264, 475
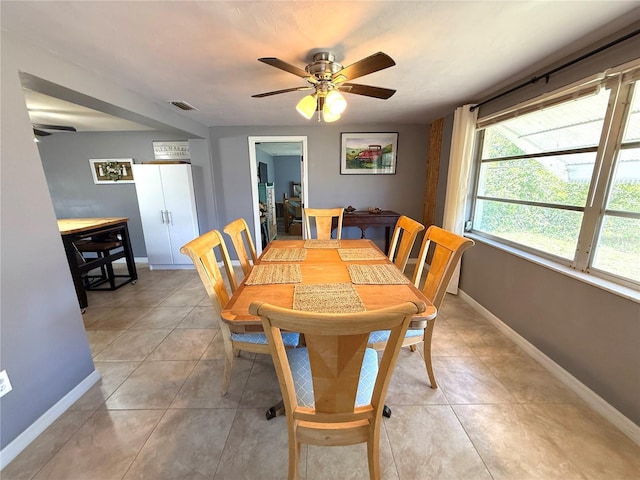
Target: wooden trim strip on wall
433, 167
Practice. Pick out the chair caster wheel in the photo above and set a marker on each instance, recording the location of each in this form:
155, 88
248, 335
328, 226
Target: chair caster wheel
271, 413
386, 412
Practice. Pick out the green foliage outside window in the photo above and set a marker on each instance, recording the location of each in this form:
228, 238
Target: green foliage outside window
552, 230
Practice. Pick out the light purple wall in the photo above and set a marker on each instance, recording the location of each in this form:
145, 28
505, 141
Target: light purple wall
402, 192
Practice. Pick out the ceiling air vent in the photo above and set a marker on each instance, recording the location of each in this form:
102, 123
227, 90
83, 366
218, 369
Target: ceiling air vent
182, 105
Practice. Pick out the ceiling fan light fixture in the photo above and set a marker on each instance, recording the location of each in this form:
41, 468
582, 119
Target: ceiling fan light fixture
335, 103
307, 106
329, 117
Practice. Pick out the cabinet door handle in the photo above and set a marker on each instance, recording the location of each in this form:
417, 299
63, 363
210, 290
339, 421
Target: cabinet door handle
169, 217
162, 216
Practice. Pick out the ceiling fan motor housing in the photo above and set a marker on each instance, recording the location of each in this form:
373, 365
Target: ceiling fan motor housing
323, 66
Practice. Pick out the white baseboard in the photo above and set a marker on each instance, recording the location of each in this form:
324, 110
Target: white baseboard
145, 261
172, 267
596, 402
22, 441
136, 260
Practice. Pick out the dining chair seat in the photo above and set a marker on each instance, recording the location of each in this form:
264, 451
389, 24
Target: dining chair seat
383, 335
303, 381
101, 247
290, 339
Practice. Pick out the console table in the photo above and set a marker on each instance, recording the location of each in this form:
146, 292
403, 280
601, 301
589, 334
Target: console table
363, 220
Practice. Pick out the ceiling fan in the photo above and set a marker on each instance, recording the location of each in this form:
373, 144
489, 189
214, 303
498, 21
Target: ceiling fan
39, 129
327, 78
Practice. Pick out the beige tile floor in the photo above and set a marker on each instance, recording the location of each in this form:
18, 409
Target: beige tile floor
157, 413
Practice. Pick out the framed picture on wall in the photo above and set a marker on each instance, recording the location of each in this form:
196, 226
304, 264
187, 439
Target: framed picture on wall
368, 153
112, 170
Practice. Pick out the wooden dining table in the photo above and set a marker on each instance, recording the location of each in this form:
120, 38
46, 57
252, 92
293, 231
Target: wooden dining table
323, 265
325, 276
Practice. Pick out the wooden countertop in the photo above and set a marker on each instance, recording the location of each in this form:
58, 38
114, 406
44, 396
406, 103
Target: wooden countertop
76, 225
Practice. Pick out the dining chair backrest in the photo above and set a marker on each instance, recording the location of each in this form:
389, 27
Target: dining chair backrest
238, 230
448, 248
404, 236
323, 221
202, 252
334, 388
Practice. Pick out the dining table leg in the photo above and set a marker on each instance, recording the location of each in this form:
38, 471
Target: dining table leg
72, 258
277, 409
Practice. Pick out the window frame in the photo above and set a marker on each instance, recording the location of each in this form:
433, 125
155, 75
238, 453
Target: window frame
621, 86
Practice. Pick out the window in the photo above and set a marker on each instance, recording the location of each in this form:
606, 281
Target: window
562, 180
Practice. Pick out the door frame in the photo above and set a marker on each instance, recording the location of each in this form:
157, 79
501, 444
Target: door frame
253, 168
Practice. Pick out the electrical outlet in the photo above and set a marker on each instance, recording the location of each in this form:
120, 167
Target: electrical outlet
5, 384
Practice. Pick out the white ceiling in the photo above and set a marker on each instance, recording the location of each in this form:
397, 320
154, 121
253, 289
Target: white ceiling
447, 53
47, 110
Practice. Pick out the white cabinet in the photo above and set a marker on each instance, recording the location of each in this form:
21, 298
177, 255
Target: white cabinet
168, 211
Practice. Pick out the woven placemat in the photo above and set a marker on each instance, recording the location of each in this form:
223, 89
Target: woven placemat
266, 274
322, 244
327, 298
350, 254
285, 255
376, 275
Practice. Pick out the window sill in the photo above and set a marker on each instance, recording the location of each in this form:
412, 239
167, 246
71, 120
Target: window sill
607, 285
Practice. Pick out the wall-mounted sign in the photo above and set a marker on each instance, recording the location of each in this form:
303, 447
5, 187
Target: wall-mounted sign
171, 150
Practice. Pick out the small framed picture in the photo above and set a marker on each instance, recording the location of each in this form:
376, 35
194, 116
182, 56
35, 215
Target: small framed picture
368, 153
112, 170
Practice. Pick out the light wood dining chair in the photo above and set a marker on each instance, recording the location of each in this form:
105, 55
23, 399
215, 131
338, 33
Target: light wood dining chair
323, 219
448, 248
202, 251
238, 230
404, 236
333, 388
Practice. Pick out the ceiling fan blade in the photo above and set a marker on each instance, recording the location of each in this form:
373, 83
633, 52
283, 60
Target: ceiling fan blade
366, 90
40, 133
373, 63
64, 128
287, 67
276, 92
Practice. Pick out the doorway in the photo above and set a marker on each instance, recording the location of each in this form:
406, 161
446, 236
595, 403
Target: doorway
268, 150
